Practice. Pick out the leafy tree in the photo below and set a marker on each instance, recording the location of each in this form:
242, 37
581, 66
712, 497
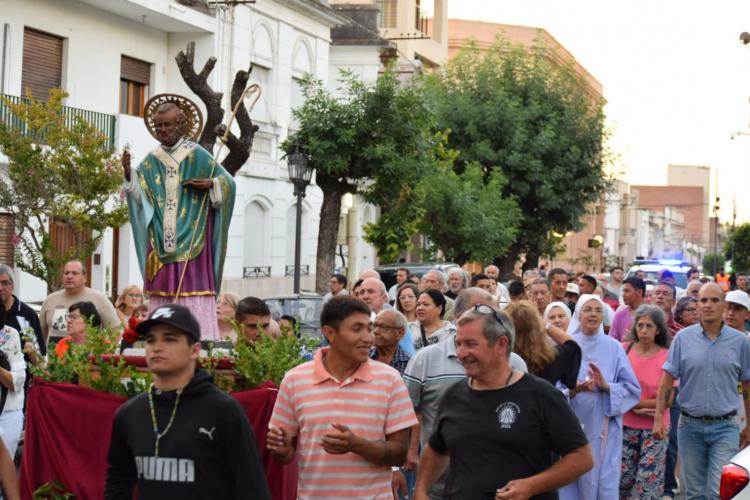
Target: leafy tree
463, 216
60, 171
374, 139
737, 248
525, 114
713, 263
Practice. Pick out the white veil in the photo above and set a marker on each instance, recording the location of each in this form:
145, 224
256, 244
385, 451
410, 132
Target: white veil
575, 322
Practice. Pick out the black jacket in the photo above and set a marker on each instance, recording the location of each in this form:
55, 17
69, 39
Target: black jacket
209, 453
22, 310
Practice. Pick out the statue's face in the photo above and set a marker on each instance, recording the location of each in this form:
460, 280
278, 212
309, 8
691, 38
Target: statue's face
167, 127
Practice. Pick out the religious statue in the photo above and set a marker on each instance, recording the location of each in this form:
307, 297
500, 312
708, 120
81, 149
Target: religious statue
180, 202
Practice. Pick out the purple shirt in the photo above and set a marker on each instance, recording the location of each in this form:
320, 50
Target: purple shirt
621, 323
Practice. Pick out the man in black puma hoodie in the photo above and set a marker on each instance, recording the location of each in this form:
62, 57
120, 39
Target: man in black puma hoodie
185, 439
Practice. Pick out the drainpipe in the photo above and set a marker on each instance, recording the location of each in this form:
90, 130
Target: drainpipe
6, 32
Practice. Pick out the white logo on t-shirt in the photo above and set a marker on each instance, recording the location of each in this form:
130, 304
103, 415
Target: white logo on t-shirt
507, 414
210, 434
176, 470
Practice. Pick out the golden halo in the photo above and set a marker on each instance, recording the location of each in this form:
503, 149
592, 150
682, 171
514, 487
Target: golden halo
191, 110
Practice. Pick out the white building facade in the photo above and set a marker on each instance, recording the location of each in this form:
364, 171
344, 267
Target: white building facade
283, 39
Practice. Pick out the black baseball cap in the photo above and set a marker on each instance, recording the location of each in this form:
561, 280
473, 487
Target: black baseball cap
174, 315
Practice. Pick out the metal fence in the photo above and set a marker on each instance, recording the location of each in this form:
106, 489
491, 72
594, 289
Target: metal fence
103, 122
303, 270
256, 272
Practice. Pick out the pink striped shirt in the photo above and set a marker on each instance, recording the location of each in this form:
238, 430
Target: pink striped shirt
373, 403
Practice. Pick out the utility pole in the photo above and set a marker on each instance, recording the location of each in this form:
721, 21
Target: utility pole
716, 226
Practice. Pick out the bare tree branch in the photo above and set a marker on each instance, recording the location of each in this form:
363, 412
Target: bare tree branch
239, 147
198, 83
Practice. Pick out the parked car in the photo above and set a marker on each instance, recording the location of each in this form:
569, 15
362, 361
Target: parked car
653, 268
735, 477
305, 307
388, 271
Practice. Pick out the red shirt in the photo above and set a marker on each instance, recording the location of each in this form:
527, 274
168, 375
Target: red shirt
673, 326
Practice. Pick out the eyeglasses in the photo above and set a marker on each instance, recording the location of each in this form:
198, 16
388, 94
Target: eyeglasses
691, 309
589, 310
485, 309
135, 295
74, 316
6, 283
381, 326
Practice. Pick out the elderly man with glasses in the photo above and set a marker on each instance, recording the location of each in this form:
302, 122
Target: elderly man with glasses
20, 316
496, 432
388, 329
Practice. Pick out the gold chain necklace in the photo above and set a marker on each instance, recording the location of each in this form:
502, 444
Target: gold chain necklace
160, 435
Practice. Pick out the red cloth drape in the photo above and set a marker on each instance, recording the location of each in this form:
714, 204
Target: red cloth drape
68, 429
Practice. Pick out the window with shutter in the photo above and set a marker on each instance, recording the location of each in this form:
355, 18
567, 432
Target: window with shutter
42, 63
7, 237
135, 76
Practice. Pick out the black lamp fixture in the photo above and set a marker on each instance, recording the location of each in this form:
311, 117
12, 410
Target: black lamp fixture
300, 175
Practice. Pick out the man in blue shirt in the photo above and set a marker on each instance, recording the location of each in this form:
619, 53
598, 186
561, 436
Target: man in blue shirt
708, 359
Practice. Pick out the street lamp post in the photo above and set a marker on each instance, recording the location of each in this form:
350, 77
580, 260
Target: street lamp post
300, 175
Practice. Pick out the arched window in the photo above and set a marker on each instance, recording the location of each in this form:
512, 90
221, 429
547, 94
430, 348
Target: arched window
301, 65
261, 74
257, 235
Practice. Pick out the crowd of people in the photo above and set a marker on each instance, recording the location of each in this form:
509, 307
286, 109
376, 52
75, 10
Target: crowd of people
614, 351
444, 386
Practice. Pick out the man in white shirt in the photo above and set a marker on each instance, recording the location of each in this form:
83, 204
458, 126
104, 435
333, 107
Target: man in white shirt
54, 314
337, 286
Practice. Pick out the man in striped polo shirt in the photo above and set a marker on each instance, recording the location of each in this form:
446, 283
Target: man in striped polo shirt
348, 416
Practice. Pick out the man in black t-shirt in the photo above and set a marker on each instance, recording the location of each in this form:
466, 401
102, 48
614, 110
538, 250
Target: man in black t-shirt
496, 433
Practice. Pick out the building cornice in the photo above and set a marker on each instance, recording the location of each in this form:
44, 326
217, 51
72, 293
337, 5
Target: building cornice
319, 10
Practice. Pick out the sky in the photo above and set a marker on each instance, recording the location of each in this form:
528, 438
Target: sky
675, 76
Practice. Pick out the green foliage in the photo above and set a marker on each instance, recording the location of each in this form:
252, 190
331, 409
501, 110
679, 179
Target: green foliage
52, 490
373, 139
521, 112
267, 358
713, 262
72, 179
737, 248
91, 364
464, 216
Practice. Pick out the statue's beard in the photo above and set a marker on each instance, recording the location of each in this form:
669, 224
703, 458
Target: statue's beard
170, 139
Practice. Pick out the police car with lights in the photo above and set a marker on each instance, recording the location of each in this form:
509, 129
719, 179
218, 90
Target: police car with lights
653, 269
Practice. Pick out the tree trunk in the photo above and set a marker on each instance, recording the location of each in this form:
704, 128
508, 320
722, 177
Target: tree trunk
532, 261
328, 229
507, 263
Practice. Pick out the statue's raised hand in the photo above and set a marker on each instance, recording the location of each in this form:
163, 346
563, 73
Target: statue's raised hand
126, 164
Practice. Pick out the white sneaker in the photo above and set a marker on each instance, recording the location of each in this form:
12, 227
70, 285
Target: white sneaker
677, 490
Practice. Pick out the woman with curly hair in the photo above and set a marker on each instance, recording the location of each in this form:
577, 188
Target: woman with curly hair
536, 345
406, 300
643, 457
128, 301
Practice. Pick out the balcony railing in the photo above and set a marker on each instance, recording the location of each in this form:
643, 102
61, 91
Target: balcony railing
421, 21
303, 270
104, 123
256, 272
